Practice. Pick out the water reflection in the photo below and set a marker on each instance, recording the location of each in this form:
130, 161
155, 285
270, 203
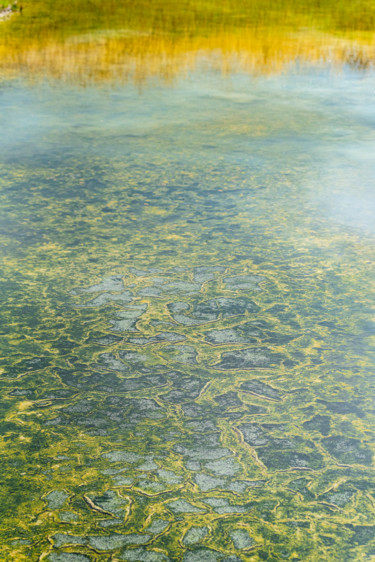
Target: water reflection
112, 42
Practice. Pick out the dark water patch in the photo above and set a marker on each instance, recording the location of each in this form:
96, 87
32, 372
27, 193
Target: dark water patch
347, 450
343, 408
362, 534
157, 338
262, 389
209, 311
27, 365
183, 388
228, 400
250, 359
319, 423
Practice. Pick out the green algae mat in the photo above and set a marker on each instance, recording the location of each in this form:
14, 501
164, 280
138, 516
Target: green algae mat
188, 327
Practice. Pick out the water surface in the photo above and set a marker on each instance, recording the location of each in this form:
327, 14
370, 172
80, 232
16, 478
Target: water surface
188, 318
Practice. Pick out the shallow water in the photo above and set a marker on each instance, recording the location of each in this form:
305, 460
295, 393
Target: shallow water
188, 319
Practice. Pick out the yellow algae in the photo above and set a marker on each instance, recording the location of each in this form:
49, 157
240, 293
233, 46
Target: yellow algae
24, 405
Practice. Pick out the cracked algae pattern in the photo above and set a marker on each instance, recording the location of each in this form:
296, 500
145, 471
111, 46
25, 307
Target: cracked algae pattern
194, 426
188, 342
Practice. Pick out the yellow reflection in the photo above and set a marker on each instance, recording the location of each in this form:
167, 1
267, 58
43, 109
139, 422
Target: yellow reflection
94, 41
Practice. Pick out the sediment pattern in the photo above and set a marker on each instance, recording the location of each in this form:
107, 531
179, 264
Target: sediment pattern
200, 423
187, 366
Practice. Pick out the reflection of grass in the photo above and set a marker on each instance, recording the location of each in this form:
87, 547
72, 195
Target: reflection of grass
190, 17
95, 36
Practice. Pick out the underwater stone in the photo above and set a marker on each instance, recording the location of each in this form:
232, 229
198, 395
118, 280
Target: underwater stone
67, 557
68, 516
342, 408
27, 365
81, 407
262, 389
201, 426
301, 485
137, 383
125, 298
193, 465
224, 467
194, 535
148, 465
109, 339
56, 499
338, 497
142, 555
253, 434
247, 359
160, 337
159, 280
318, 423
209, 311
363, 534
127, 319
229, 335
135, 358
113, 283
202, 453
208, 555
116, 541
228, 400
157, 526
185, 354
109, 502
241, 539
169, 476
111, 471
149, 486
122, 481
241, 485
184, 388
240, 282
202, 555
149, 292
110, 362
347, 450
203, 274
182, 506
194, 410
181, 287
283, 460
222, 506
126, 456
62, 540
206, 482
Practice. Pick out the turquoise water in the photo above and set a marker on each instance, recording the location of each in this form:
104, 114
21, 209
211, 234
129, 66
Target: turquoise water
188, 319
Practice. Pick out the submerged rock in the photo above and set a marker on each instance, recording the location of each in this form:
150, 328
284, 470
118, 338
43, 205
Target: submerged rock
195, 535
347, 450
